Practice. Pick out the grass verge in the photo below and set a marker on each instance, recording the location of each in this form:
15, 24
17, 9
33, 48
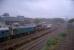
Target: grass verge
53, 42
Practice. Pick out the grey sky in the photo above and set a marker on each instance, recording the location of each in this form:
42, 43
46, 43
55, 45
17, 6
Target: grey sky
38, 8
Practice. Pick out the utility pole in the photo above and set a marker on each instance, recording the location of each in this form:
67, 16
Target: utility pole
11, 29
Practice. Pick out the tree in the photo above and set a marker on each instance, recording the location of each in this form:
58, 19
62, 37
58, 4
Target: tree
71, 20
58, 20
37, 21
6, 14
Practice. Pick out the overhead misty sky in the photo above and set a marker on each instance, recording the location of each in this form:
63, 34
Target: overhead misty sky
38, 8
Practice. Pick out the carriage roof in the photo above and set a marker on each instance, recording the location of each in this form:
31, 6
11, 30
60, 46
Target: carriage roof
26, 26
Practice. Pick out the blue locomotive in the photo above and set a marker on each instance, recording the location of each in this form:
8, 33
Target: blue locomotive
4, 32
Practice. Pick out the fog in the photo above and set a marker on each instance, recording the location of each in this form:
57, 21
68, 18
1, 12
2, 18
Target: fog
38, 8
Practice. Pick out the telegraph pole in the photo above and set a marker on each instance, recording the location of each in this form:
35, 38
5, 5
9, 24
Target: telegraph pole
11, 30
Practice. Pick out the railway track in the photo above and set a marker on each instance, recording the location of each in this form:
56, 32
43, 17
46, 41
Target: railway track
31, 44
36, 44
14, 44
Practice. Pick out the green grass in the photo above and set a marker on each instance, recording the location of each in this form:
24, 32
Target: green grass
52, 41
62, 34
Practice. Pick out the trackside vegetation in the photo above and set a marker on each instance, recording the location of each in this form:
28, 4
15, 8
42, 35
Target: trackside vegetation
52, 42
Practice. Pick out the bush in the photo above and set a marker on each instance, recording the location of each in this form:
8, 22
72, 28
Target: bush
51, 41
62, 34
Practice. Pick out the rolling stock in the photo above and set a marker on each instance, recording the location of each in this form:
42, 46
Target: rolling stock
5, 33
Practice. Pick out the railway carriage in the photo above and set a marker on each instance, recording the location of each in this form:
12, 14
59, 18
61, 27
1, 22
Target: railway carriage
23, 30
